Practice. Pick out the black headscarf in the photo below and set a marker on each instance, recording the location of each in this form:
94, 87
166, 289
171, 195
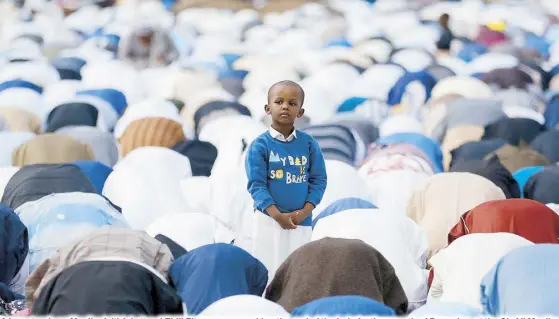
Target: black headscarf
33, 182
547, 144
72, 114
107, 288
544, 186
202, 156
475, 150
514, 130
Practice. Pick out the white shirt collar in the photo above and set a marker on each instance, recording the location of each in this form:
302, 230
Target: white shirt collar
278, 136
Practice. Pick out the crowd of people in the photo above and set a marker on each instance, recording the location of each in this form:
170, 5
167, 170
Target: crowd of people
341, 158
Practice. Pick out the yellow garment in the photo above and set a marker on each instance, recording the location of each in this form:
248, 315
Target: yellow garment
499, 26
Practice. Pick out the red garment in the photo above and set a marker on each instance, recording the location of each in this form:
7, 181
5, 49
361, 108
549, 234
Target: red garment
523, 217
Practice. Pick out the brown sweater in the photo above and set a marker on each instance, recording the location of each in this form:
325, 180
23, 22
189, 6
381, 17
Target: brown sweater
336, 267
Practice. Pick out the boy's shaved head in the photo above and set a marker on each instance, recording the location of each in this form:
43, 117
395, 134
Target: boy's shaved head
287, 83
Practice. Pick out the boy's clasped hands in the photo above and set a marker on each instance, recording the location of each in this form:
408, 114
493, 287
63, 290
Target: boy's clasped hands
290, 220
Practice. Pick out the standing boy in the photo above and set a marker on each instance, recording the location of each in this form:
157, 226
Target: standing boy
286, 179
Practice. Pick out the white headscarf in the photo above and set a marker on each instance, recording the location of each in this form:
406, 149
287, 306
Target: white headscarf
460, 267
243, 306
343, 182
146, 184
189, 230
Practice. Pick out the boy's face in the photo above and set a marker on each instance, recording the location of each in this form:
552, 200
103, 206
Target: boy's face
285, 104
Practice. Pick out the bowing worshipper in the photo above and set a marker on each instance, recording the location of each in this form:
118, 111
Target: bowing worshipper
148, 46
212, 272
343, 182
33, 182
9, 141
97, 173
146, 184
514, 130
531, 268
542, 186
345, 306
547, 144
446, 309
524, 217
516, 158
437, 206
103, 144
15, 257
475, 150
244, 306
57, 220
402, 242
309, 274
51, 149
189, 231
494, 171
132, 266
459, 268
20, 120
523, 175
202, 155
286, 178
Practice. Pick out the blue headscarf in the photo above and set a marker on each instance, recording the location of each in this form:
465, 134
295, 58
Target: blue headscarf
530, 269
97, 173
523, 175
341, 205
216, 271
343, 306
115, 98
397, 92
14, 246
427, 145
12, 84
351, 104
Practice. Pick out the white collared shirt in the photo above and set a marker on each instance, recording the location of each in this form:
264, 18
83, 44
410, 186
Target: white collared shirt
278, 136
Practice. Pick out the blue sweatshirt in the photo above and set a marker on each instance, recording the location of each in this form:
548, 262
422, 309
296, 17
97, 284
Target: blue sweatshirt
287, 174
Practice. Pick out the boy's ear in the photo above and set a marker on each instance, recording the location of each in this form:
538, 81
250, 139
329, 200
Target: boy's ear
267, 109
301, 112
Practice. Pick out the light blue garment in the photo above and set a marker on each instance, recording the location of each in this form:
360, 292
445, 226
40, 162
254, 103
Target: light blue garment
523, 175
343, 306
216, 271
524, 282
56, 220
341, 205
445, 309
427, 145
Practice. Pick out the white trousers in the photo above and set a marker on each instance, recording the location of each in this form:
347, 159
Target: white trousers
272, 244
